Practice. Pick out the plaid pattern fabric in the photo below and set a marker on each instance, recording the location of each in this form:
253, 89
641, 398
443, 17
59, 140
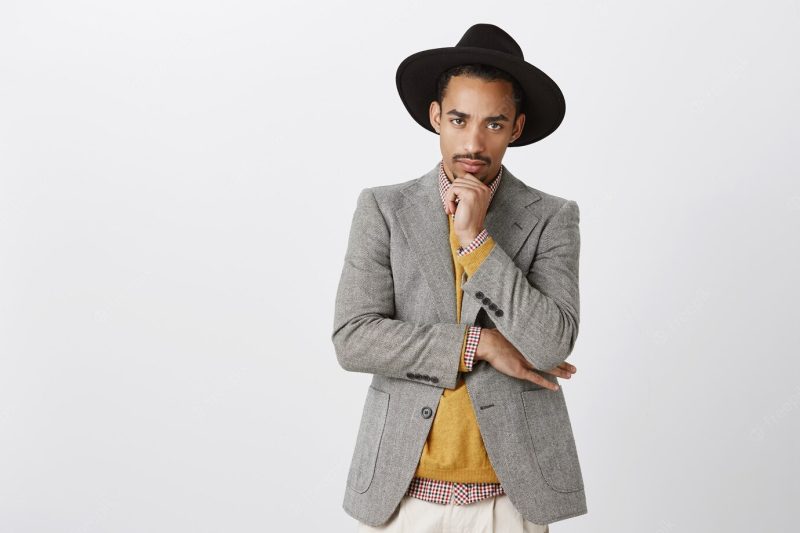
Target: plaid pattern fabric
473, 337
445, 492
479, 239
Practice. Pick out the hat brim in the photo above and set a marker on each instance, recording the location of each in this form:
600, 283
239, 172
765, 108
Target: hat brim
543, 105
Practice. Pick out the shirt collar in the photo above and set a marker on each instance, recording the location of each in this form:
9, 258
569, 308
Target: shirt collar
444, 185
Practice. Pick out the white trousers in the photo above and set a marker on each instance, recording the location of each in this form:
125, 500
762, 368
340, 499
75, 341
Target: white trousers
495, 514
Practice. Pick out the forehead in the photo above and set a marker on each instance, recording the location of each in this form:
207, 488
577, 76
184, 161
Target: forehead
467, 93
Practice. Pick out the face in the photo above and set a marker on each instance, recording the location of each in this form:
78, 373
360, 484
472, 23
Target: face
475, 125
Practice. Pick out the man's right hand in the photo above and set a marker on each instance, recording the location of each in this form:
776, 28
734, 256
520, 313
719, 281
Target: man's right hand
495, 349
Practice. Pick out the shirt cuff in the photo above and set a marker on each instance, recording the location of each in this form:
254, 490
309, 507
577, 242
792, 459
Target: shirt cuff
479, 239
472, 260
472, 337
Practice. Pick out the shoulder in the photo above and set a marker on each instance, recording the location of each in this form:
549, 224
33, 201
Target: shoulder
391, 193
547, 204
552, 203
390, 196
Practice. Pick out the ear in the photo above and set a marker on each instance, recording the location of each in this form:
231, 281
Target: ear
519, 125
435, 114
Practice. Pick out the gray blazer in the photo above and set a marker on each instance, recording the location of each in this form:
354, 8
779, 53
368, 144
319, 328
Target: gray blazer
395, 318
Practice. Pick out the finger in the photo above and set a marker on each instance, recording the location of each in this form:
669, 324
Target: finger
451, 195
450, 205
539, 380
566, 367
467, 190
569, 367
470, 178
560, 372
564, 370
459, 185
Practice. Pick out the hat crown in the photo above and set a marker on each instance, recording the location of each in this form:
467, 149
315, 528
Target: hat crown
490, 37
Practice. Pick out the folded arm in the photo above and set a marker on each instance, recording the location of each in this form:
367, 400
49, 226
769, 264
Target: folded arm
365, 335
536, 311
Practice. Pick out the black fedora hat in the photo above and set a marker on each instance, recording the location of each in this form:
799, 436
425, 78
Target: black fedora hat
543, 103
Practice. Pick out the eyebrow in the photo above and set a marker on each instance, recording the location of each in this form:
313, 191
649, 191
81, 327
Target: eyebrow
494, 118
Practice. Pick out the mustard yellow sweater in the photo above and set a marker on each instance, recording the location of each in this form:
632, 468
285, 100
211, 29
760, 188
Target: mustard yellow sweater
454, 450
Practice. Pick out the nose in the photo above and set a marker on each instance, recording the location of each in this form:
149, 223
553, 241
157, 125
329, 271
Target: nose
474, 142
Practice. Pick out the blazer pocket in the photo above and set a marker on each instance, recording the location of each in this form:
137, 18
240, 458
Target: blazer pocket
552, 439
370, 432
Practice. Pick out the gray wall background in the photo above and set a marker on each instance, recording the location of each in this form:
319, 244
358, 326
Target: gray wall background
177, 181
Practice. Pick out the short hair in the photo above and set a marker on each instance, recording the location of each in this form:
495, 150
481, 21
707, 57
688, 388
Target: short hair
484, 72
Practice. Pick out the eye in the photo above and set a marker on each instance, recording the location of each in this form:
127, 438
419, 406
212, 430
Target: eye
452, 119
500, 126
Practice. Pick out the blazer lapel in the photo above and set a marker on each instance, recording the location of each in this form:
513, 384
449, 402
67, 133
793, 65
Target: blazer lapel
509, 220
424, 223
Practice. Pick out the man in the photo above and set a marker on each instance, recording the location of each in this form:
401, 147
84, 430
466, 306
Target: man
464, 425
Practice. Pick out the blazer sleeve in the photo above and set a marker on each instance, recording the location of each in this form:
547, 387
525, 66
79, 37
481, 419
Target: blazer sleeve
462, 362
366, 336
537, 311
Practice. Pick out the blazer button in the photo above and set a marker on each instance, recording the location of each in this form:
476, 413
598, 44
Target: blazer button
426, 377
487, 301
499, 312
410, 375
435, 379
426, 412
479, 295
492, 306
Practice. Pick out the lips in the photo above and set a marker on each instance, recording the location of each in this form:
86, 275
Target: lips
470, 165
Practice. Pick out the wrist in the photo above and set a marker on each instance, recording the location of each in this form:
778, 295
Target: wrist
468, 237
483, 350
